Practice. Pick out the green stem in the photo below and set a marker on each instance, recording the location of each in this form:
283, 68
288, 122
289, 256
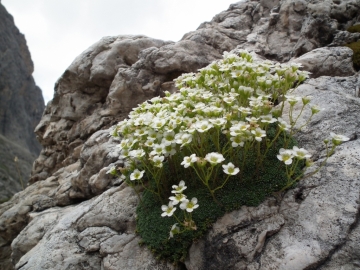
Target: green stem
219, 187
299, 114
271, 143
293, 132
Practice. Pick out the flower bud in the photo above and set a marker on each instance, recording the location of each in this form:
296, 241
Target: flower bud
306, 100
190, 224
276, 113
309, 162
315, 109
123, 170
336, 142
201, 162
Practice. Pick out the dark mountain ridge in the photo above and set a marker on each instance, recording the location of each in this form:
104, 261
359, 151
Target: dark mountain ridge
21, 107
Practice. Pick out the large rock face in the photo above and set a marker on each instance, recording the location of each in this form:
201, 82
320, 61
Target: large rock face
21, 107
77, 217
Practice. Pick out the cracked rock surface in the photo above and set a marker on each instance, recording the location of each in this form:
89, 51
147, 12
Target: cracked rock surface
85, 236
78, 217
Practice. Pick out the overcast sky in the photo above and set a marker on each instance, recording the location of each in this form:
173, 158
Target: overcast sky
59, 30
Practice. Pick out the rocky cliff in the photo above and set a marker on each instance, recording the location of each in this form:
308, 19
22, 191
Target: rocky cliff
78, 217
21, 107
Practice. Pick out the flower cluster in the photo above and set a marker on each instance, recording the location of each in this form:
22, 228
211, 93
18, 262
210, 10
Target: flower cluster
185, 204
232, 97
286, 155
218, 118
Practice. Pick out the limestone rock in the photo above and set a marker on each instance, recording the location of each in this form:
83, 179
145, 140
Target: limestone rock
344, 37
21, 107
85, 236
331, 61
74, 210
298, 26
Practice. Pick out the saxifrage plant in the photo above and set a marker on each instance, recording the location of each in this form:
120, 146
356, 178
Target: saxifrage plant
222, 134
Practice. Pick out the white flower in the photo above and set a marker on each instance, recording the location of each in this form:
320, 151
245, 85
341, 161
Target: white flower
139, 121
230, 169
152, 135
183, 138
189, 160
300, 153
157, 150
124, 144
246, 90
256, 103
168, 210
124, 153
259, 133
136, 174
203, 126
283, 125
237, 141
252, 120
268, 119
218, 121
114, 131
199, 106
140, 132
238, 128
295, 66
178, 120
174, 97
180, 188
292, 99
155, 100
171, 125
169, 138
180, 108
158, 161
338, 139
214, 158
207, 94
214, 110
303, 75
286, 155
189, 206
138, 153
191, 130
158, 123
149, 143
229, 99
245, 110
179, 197
174, 230
169, 150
